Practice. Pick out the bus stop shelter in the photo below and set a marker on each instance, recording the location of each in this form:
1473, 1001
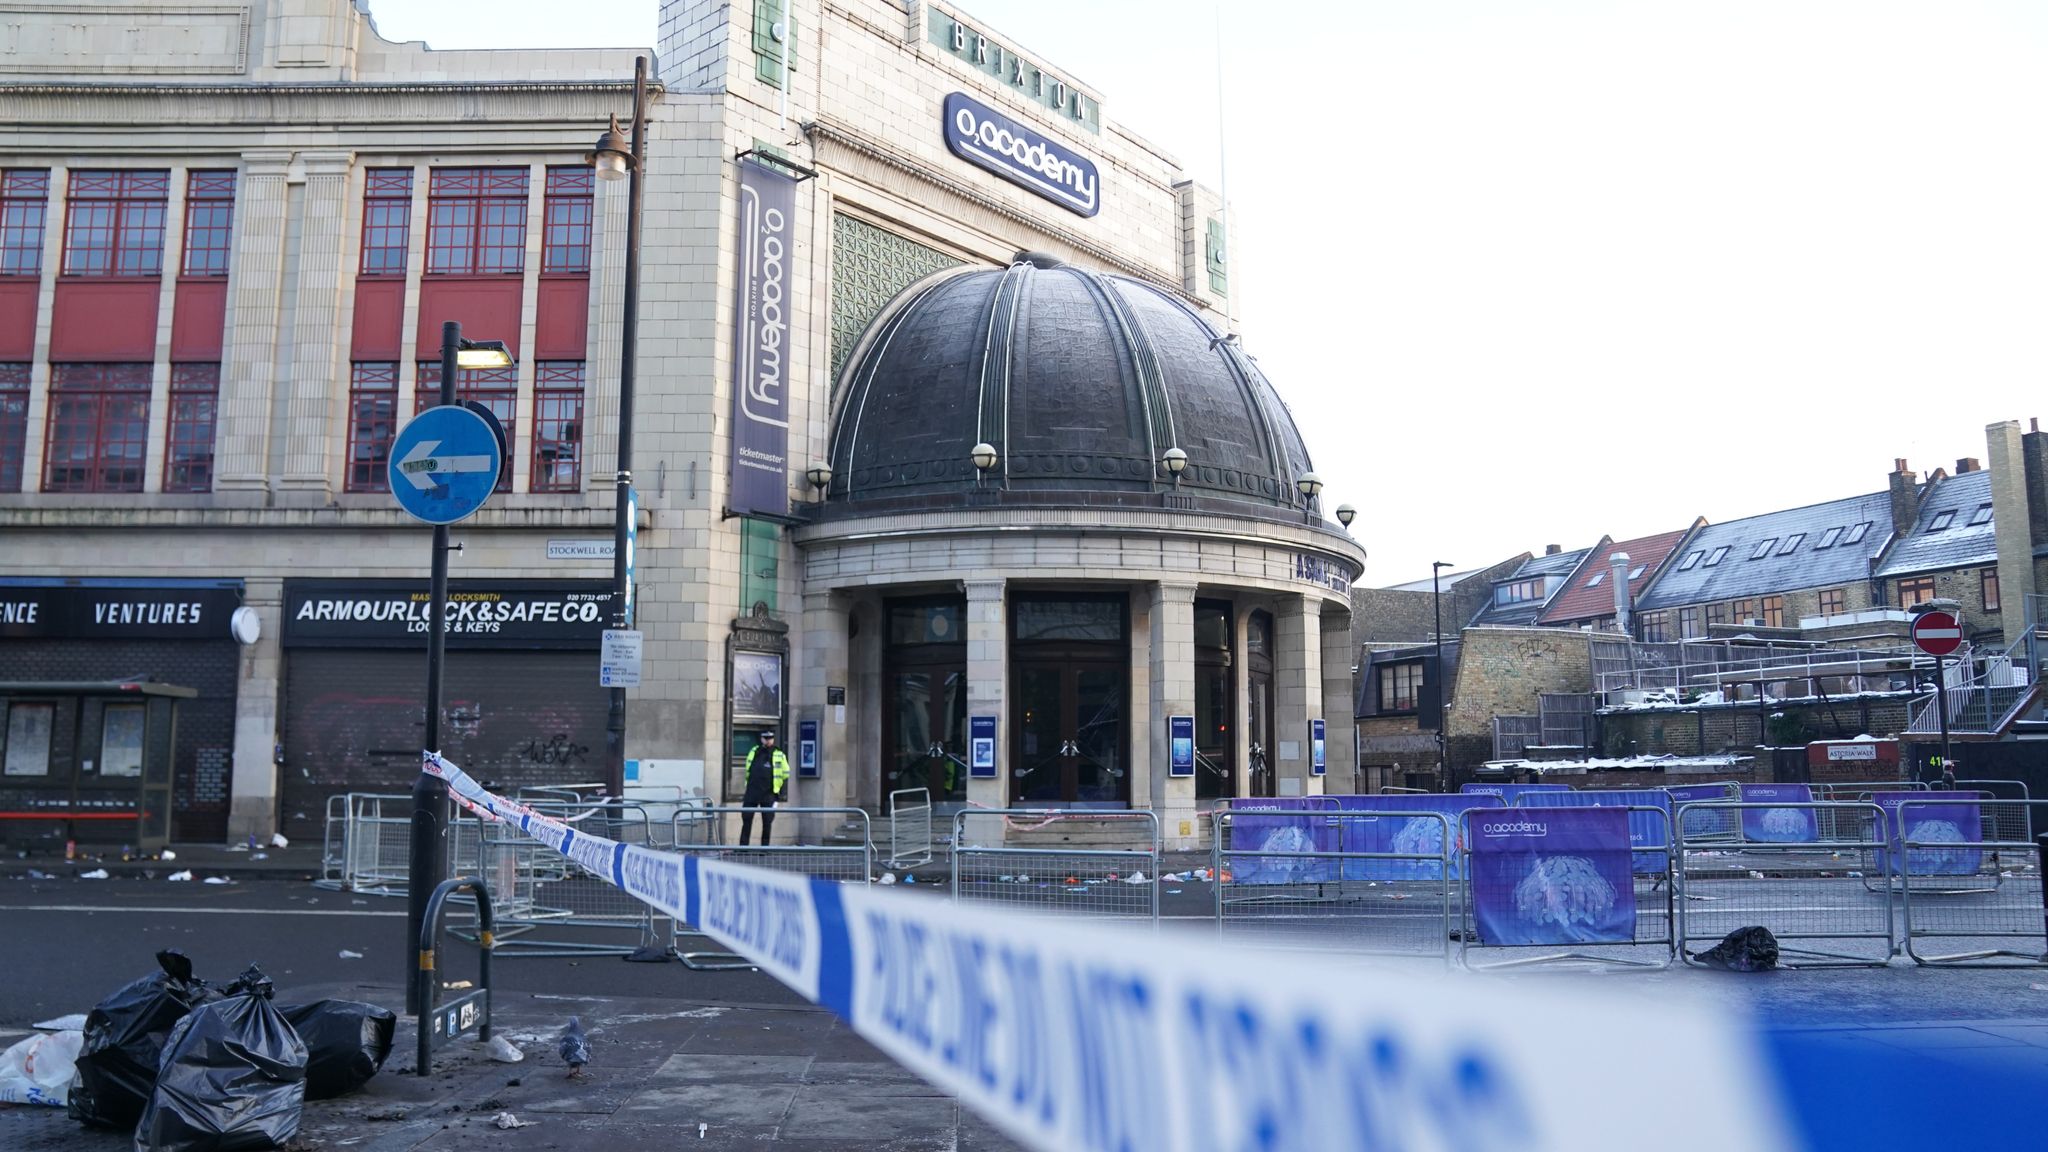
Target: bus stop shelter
88, 761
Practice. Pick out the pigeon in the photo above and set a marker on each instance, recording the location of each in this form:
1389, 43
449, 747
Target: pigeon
575, 1047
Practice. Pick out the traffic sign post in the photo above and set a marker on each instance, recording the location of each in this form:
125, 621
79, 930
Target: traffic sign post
444, 464
1939, 634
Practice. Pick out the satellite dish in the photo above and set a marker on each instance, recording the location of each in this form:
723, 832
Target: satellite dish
245, 625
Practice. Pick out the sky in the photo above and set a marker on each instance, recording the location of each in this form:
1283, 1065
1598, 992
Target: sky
1538, 273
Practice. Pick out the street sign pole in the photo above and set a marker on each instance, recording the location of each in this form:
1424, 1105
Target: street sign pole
1948, 768
429, 858
622, 478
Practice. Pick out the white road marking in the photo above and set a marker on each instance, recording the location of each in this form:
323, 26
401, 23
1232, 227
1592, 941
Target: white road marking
189, 911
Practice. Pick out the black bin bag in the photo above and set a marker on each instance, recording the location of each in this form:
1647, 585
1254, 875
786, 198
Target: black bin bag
124, 1041
233, 1077
346, 1043
1751, 949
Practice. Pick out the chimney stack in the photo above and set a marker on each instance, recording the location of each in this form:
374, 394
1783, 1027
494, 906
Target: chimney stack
1968, 464
1552, 549
1618, 563
2034, 453
1905, 497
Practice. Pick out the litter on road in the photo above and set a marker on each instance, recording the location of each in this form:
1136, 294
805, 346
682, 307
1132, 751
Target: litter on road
176, 877
95, 874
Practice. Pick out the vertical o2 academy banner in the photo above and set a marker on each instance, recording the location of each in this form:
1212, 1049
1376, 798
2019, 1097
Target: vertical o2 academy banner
760, 342
1552, 876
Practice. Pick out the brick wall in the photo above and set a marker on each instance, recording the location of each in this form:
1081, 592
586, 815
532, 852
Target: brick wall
1503, 671
1966, 587
1392, 616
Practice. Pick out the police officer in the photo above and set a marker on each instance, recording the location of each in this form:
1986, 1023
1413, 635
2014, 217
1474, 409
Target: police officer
767, 777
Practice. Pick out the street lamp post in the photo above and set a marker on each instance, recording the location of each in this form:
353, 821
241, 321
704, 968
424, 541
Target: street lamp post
613, 161
1436, 608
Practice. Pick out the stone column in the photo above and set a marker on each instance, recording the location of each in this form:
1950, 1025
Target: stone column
1172, 612
607, 320
319, 346
988, 677
2011, 525
1297, 691
822, 657
252, 787
1339, 748
255, 284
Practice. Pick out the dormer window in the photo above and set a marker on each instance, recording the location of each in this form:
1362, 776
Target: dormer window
1520, 592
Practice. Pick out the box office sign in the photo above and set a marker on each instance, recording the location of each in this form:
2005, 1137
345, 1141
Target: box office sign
481, 613
117, 613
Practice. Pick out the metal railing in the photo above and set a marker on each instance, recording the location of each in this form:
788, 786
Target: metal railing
1970, 873
1796, 868
1083, 860
910, 827
1363, 882
1691, 666
1557, 901
708, 832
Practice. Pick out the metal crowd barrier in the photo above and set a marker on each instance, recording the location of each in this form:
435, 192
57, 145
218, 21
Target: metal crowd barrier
1653, 925
1805, 882
1863, 790
1971, 874
1088, 861
1363, 881
910, 827
367, 843
713, 830
1709, 821
551, 906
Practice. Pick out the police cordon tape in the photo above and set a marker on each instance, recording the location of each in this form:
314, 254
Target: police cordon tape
1106, 1038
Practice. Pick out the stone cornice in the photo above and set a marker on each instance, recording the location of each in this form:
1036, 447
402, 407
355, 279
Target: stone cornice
597, 520
33, 108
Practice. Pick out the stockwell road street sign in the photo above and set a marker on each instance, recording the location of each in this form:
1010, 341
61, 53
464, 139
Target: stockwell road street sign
444, 464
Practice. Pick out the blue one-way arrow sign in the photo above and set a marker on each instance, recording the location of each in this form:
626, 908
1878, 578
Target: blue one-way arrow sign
444, 464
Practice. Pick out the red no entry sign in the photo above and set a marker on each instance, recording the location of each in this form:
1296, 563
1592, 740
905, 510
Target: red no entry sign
1937, 633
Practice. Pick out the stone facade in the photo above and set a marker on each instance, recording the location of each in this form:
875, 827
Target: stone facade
302, 97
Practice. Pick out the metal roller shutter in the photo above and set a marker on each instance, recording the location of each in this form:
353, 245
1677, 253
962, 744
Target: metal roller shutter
353, 723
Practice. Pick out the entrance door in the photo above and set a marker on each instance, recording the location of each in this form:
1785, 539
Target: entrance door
1215, 702
927, 737
1067, 742
1258, 643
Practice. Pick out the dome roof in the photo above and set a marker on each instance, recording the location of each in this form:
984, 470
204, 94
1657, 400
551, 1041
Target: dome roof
1080, 381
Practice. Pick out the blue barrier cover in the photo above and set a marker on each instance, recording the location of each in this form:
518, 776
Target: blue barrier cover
1703, 822
1552, 876
1779, 825
1510, 793
1290, 824
1941, 817
1421, 834
1646, 830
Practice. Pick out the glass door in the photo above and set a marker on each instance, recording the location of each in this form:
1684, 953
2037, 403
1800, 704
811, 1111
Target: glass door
1038, 747
927, 737
1068, 742
1258, 647
1215, 702
1099, 772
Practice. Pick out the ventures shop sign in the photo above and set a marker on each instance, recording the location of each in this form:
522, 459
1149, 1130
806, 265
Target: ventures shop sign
985, 137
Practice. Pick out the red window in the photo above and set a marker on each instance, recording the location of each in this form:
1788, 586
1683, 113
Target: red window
115, 225
565, 239
98, 429
476, 221
387, 221
372, 422
13, 424
209, 222
494, 388
558, 426
188, 437
24, 202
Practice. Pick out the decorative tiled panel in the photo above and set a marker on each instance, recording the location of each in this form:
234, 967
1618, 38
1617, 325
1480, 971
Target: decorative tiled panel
869, 267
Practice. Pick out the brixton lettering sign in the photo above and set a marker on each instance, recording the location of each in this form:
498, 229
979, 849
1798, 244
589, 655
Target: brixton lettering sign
481, 614
985, 137
1021, 75
117, 613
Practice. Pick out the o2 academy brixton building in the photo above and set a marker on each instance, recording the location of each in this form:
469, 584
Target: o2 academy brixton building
948, 461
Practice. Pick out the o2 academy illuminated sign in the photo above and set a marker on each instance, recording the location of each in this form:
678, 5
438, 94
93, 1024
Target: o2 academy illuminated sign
985, 137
